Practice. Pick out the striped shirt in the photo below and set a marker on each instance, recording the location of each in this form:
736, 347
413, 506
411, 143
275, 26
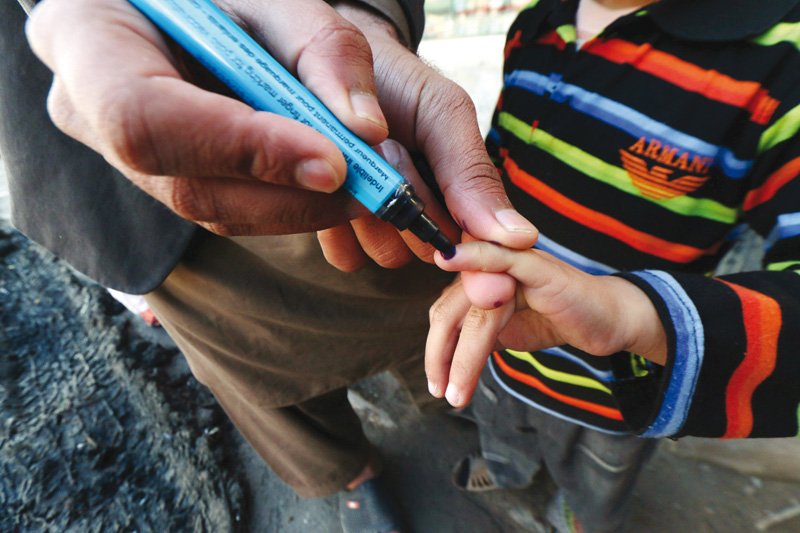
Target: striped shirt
644, 154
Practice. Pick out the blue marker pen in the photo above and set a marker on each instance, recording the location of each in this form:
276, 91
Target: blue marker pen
206, 33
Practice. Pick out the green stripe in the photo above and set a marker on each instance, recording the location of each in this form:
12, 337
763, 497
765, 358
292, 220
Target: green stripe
780, 33
638, 366
530, 5
784, 128
557, 375
567, 33
612, 175
783, 265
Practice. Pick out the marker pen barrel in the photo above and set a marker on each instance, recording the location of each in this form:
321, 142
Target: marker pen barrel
206, 33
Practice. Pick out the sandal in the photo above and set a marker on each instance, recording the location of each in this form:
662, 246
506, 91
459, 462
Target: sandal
368, 509
472, 474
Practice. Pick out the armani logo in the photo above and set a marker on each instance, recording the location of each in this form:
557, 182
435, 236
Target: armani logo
661, 171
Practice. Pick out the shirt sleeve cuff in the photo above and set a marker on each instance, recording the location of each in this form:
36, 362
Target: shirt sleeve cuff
659, 404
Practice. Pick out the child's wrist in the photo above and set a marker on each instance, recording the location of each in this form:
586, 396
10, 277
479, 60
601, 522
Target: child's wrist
643, 331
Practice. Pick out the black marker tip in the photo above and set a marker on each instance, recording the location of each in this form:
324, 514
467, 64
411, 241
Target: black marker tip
443, 244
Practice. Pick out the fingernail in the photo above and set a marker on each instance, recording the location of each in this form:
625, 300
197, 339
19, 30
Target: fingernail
391, 152
513, 221
434, 389
366, 106
453, 395
317, 175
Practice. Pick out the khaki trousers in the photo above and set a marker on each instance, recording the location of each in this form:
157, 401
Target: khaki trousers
277, 335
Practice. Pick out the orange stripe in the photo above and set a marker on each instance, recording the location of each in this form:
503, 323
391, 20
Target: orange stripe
650, 190
712, 84
553, 38
676, 186
762, 323
644, 242
773, 183
514, 42
608, 412
653, 192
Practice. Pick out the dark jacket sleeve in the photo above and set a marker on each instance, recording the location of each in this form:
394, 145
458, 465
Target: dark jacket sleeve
408, 17
65, 196
416, 19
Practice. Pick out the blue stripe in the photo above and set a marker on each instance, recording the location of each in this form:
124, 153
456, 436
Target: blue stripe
573, 258
551, 412
737, 232
625, 118
603, 375
688, 357
493, 136
788, 226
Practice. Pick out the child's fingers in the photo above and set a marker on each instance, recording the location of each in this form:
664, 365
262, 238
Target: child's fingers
488, 290
477, 340
531, 267
445, 315
479, 256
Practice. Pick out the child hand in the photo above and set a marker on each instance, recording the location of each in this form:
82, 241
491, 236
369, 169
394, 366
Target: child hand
555, 304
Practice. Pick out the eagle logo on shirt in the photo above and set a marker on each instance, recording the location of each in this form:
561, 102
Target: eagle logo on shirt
661, 171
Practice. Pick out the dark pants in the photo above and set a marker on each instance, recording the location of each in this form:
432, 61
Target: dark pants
595, 472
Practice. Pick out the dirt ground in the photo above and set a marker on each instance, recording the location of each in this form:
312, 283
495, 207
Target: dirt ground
101, 429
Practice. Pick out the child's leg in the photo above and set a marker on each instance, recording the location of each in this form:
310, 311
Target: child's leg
510, 446
509, 451
595, 472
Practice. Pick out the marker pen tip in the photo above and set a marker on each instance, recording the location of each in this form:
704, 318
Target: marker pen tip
443, 244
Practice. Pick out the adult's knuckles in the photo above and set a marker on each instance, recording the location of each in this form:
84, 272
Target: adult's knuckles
444, 96
392, 253
192, 201
478, 176
259, 158
306, 214
61, 110
123, 124
337, 45
348, 262
338, 39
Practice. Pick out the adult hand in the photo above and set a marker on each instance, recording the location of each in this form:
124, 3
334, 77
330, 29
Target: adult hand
555, 304
350, 246
430, 114
121, 89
